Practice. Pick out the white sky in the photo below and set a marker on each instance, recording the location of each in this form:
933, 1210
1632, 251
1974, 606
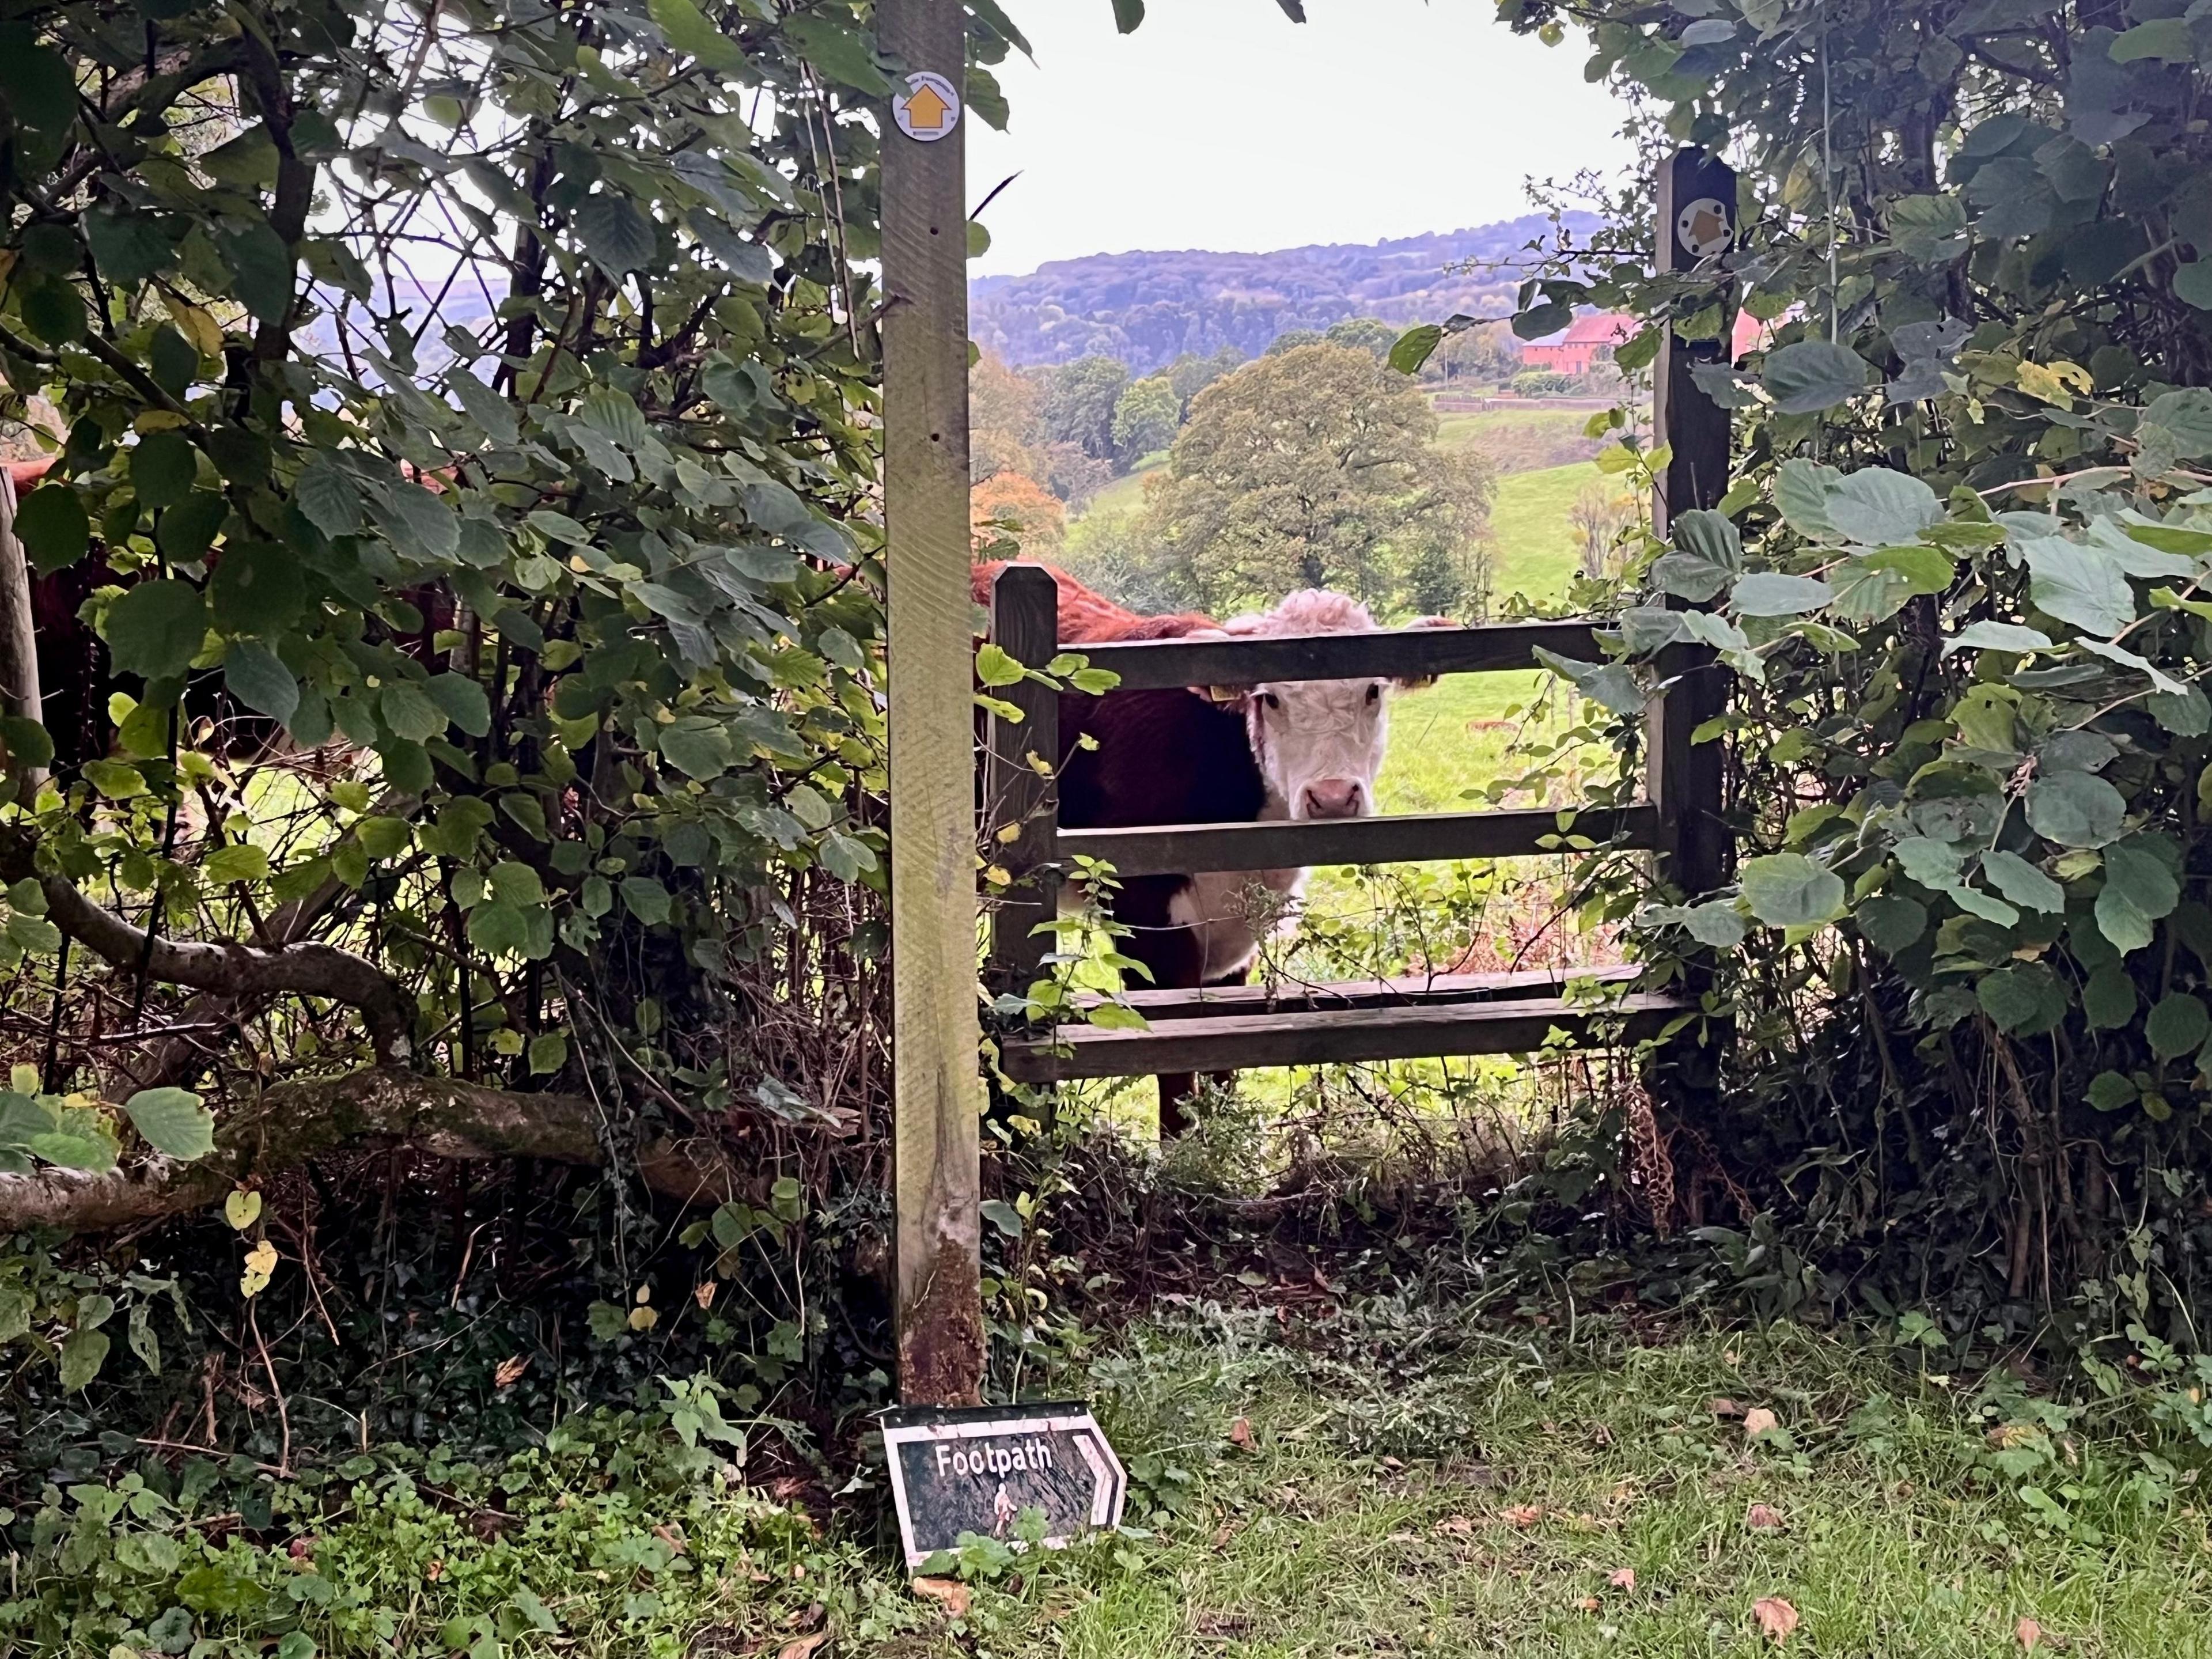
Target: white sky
1222, 124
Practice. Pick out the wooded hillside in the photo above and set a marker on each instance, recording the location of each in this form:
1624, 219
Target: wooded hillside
1146, 308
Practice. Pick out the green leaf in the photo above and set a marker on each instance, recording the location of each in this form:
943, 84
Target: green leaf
2022, 1000
687, 30
188, 529
1801, 489
2022, 883
238, 860
420, 523
128, 247
1813, 375
2161, 40
1768, 593
2083, 586
262, 269
155, 629
2192, 283
1923, 569
51, 524
330, 499
616, 234
409, 712
1003, 1216
54, 310
2108, 998
2186, 414
1892, 921
1413, 347
2111, 1092
847, 857
839, 50
162, 466
2178, 1024
84, 1352
256, 588
463, 700
697, 746
173, 1120
549, 1052
2075, 809
1787, 889
1997, 636
646, 899
995, 666
1127, 14
256, 677
1876, 506
2143, 879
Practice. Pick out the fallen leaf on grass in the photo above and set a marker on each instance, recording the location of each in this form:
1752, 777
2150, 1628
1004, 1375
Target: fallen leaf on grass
2028, 1633
1761, 1517
1223, 1534
1776, 1617
1240, 1434
1523, 1514
1721, 1406
1588, 1604
1458, 1526
1757, 1421
800, 1646
1402, 1538
1623, 1580
508, 1371
955, 1595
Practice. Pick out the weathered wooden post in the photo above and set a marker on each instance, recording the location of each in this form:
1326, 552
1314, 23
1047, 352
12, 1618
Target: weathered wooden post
938, 1086
1018, 792
1697, 223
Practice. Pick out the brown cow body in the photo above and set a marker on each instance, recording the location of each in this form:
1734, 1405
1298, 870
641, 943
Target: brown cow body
1291, 751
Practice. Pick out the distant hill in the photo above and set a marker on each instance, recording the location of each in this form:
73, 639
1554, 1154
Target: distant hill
1146, 307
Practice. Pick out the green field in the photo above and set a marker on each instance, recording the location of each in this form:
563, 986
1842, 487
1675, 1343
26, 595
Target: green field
1533, 544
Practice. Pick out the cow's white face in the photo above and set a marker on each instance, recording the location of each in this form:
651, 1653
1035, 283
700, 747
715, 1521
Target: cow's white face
1319, 744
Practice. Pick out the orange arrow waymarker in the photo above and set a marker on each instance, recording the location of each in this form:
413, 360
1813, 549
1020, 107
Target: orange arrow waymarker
925, 110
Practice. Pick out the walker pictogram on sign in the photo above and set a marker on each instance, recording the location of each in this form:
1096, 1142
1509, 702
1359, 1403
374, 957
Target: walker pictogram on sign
928, 109
1705, 228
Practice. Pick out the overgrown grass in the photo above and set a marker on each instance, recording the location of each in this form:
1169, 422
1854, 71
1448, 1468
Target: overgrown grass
1535, 547
1500, 1504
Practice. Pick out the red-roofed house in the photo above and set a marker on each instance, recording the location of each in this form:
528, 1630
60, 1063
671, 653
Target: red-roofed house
1588, 340
1593, 337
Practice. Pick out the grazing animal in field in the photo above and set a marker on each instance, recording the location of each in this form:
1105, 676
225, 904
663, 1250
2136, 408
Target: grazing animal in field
1286, 749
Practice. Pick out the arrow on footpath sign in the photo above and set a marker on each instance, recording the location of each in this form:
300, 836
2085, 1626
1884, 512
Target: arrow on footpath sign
925, 109
977, 1470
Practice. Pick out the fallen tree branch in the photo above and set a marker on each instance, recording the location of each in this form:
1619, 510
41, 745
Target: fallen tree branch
308, 968
439, 1117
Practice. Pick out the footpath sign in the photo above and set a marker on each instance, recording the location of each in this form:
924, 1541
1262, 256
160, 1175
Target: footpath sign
975, 1469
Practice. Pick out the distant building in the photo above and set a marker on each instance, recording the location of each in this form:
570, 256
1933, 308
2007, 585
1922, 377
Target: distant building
1594, 337
1589, 341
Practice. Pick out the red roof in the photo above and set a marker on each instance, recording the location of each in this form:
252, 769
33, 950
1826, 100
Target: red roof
1597, 328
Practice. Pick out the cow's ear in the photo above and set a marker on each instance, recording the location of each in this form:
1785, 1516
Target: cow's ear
1423, 682
1235, 698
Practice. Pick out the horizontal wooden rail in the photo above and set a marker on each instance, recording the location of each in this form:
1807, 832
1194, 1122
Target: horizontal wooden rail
1403, 838
1328, 1036
1206, 1001
1401, 653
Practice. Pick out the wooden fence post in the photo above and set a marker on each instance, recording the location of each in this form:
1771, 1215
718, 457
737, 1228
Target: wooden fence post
1684, 778
1697, 220
1025, 624
938, 1086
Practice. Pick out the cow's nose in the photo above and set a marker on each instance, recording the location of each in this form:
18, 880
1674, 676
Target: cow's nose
1334, 797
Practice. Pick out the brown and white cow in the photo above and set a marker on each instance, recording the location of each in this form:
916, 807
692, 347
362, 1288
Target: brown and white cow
1286, 750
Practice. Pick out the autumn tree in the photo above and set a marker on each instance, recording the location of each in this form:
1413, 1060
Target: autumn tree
1319, 467
1009, 508
1190, 374
1004, 429
1370, 334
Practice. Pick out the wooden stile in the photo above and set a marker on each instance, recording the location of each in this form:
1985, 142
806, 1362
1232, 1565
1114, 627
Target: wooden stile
1025, 624
938, 1084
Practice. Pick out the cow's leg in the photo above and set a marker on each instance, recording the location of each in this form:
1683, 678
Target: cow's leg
1176, 959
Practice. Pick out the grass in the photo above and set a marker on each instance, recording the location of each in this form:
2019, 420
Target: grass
1500, 1506
1535, 546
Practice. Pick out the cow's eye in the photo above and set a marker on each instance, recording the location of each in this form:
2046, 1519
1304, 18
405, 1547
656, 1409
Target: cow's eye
1374, 694
1271, 699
